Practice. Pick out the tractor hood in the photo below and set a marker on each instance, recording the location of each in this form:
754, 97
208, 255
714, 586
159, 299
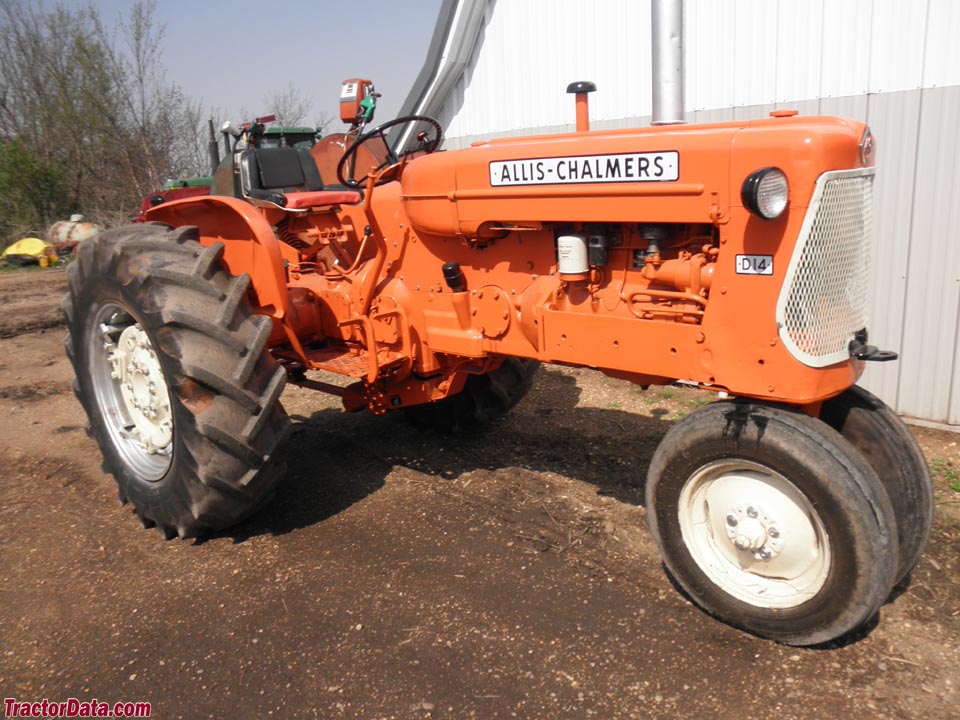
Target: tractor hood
686, 173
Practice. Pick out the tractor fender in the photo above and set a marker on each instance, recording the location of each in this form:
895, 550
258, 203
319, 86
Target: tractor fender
250, 245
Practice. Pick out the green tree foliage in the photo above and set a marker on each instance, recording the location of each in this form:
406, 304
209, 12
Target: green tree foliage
33, 190
87, 121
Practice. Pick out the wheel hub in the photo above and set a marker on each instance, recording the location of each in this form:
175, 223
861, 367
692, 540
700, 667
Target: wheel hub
136, 369
754, 531
754, 534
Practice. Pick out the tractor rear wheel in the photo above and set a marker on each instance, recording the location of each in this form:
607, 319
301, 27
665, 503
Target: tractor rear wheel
888, 445
173, 372
484, 398
772, 522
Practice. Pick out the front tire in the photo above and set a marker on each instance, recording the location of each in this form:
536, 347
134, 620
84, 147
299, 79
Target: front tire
888, 445
772, 522
174, 375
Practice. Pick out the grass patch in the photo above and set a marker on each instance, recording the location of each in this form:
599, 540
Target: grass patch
11, 267
944, 469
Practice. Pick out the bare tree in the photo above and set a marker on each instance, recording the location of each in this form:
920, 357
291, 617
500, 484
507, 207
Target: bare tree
86, 113
289, 105
322, 122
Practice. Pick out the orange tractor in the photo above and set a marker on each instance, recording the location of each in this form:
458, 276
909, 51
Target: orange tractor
731, 256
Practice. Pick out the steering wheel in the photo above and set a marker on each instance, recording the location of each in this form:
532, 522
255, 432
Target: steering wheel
424, 134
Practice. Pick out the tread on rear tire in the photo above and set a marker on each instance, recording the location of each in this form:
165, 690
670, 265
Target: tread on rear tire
173, 372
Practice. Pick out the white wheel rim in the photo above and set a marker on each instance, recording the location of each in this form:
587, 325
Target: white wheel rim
754, 534
131, 392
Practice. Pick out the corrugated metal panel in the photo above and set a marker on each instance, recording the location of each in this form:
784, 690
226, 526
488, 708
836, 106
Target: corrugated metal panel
709, 54
906, 22
941, 59
755, 47
752, 112
850, 106
799, 41
845, 63
738, 54
953, 416
565, 40
713, 116
928, 369
894, 119
804, 107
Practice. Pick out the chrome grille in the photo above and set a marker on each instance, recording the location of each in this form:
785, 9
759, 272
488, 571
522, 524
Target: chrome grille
824, 297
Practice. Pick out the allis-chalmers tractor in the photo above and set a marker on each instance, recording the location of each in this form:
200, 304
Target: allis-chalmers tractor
733, 256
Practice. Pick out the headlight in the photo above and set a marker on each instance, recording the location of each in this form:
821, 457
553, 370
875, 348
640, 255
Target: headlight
765, 193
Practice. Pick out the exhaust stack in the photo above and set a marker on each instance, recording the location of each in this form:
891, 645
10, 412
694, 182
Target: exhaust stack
213, 149
667, 31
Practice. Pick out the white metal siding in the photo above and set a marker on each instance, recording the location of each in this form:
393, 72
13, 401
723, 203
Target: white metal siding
893, 115
845, 53
739, 53
891, 63
906, 24
799, 50
928, 368
941, 49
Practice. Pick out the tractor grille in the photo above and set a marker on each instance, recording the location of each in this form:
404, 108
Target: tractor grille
824, 297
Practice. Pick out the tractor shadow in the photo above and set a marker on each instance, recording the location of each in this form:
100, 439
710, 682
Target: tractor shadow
335, 460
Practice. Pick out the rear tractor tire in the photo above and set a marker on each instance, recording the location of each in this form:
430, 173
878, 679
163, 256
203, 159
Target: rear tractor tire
484, 398
885, 441
772, 522
173, 372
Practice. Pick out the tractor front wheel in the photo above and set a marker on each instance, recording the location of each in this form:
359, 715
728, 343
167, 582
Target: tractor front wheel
887, 444
772, 522
174, 375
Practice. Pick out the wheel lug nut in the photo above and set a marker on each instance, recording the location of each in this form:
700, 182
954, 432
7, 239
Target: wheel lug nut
751, 512
732, 520
773, 532
765, 554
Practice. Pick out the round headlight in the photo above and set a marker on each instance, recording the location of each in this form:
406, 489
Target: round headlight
765, 193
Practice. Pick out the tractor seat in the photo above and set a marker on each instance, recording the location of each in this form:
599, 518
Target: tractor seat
287, 178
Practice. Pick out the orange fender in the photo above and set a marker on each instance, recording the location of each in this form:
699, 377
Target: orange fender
250, 245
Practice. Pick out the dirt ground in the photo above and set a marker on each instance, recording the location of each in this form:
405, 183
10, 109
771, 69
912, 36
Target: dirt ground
404, 574
30, 300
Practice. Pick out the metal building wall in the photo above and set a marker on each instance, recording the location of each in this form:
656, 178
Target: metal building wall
894, 64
